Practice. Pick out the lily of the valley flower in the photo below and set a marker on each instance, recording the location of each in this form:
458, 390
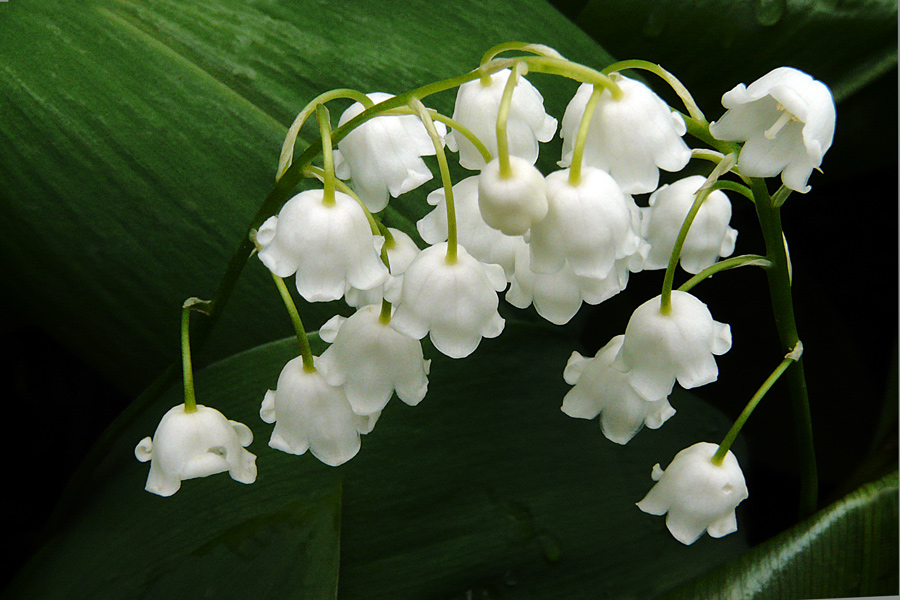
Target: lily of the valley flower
604, 391
371, 360
515, 202
709, 236
477, 106
310, 414
328, 246
786, 119
401, 252
483, 242
454, 302
558, 296
631, 137
195, 444
590, 225
382, 156
696, 494
660, 348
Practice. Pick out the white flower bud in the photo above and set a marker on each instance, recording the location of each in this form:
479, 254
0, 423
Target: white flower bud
195, 444
709, 236
455, 302
786, 119
512, 204
604, 391
383, 155
476, 108
696, 494
370, 359
309, 414
631, 137
660, 348
328, 246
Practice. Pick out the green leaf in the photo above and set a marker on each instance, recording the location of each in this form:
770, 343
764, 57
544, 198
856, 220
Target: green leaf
140, 137
848, 549
485, 487
735, 41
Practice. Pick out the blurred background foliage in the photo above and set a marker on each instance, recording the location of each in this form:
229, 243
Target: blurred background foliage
137, 139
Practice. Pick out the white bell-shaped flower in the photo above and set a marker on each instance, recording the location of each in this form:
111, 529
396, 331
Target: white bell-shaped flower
454, 302
477, 106
631, 138
662, 348
696, 494
558, 296
195, 444
786, 119
310, 414
709, 237
591, 225
328, 246
401, 251
483, 242
512, 204
371, 360
382, 156
602, 390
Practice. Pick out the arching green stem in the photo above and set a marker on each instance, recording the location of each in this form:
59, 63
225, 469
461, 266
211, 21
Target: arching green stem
567, 68
327, 153
455, 125
779, 280
190, 398
503, 119
732, 434
689, 103
581, 138
305, 350
734, 262
444, 168
539, 49
287, 149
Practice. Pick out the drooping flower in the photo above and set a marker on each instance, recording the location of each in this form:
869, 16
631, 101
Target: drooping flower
512, 204
558, 296
195, 444
786, 119
483, 242
309, 414
382, 156
590, 225
401, 252
709, 237
660, 348
697, 494
604, 391
631, 137
477, 106
454, 302
371, 360
328, 246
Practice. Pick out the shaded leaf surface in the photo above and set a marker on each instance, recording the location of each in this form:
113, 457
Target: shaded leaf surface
848, 549
486, 485
140, 136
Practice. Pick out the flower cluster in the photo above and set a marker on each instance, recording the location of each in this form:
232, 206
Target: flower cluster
553, 241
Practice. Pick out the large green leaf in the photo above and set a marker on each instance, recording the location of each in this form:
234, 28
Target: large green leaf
140, 136
848, 549
714, 44
485, 486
